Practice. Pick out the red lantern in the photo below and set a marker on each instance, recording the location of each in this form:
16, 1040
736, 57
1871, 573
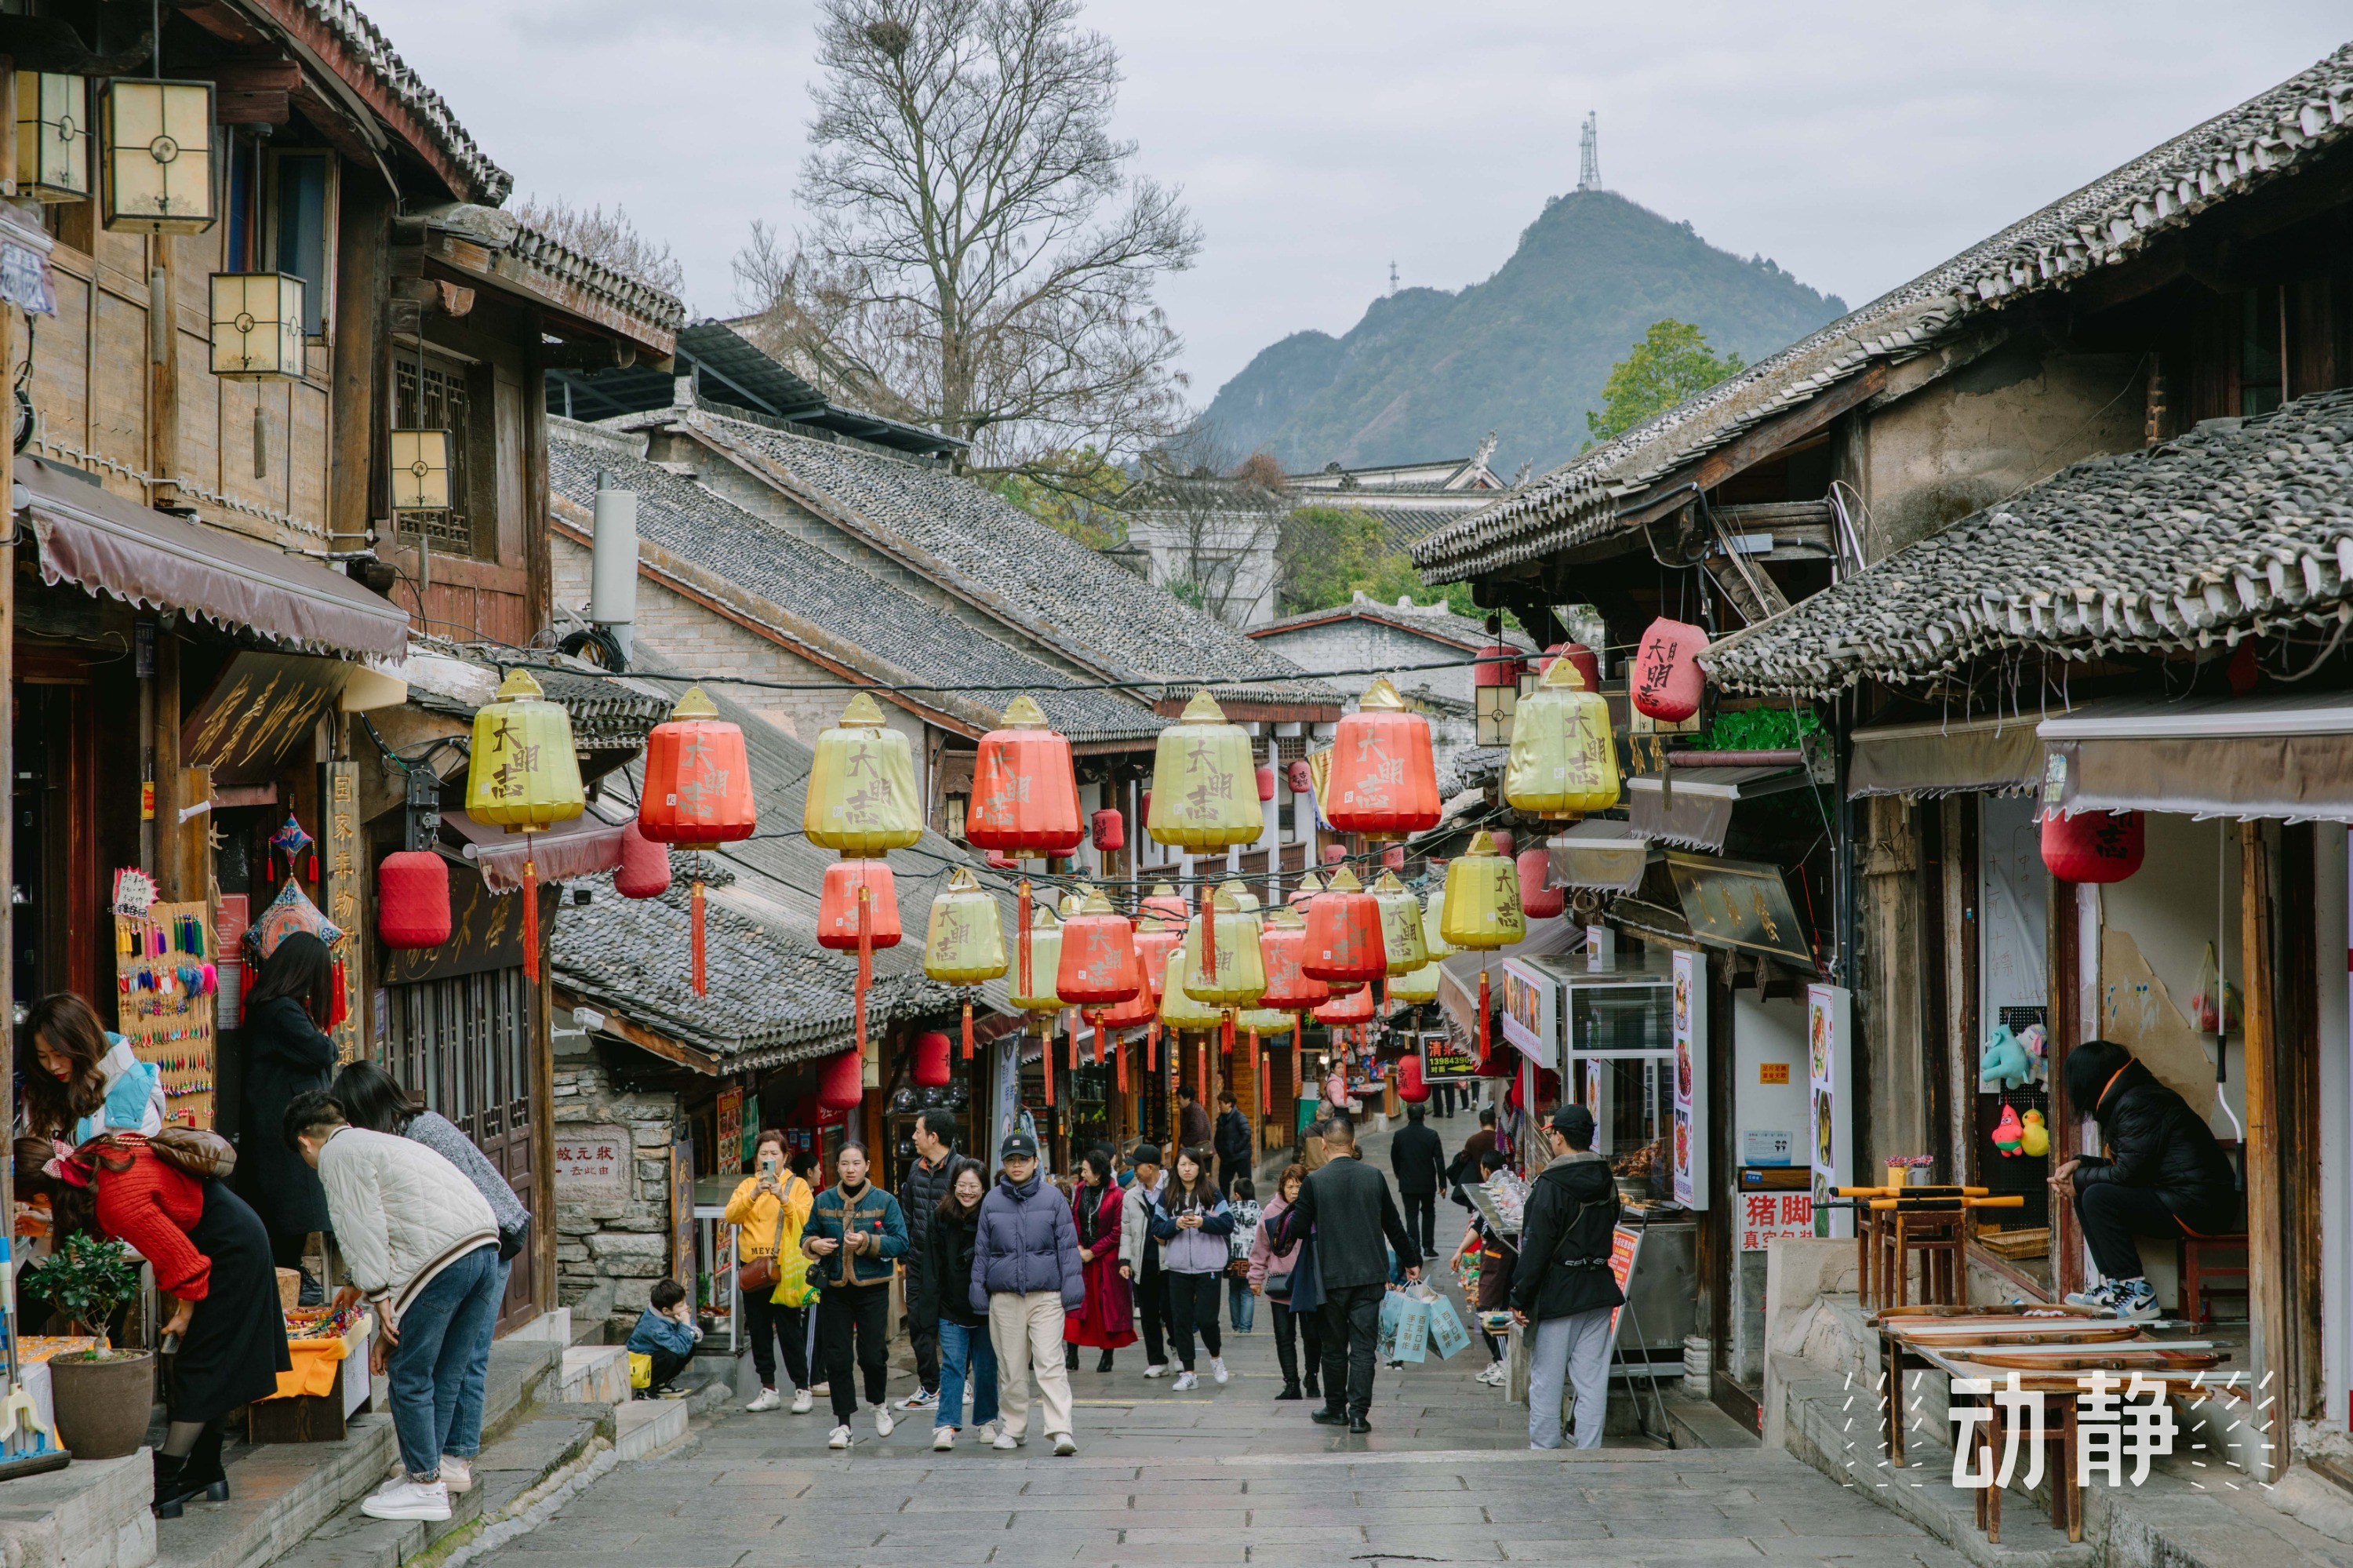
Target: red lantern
1411, 1087
1109, 829
1502, 838
1665, 681
1165, 902
1344, 934
644, 871
1393, 857
1302, 777
841, 1082
1147, 805
1265, 783
1581, 657
698, 793
2093, 846
412, 899
1499, 665
1099, 967
1384, 779
995, 862
1025, 798
837, 908
1282, 946
931, 1070
1347, 1007
1538, 901
1334, 853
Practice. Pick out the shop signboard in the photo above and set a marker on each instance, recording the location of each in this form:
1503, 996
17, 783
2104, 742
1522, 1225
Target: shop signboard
1532, 1011
1740, 904
731, 1127
1625, 1251
1768, 1218
1688, 1148
344, 864
592, 1165
1446, 1061
682, 1213
1830, 1109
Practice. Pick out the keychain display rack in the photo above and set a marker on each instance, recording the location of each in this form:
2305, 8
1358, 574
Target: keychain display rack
165, 986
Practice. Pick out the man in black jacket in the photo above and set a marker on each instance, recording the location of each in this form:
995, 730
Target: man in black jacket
1233, 1141
1563, 1282
919, 1199
1192, 1121
2165, 1174
1347, 1205
1420, 1161
1464, 1172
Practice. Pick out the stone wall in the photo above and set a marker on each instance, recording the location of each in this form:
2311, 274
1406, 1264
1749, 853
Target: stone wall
611, 1247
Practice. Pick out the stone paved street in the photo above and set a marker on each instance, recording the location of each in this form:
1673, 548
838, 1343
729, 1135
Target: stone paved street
1217, 1475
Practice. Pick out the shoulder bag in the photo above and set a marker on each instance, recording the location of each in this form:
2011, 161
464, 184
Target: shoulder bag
759, 1275
207, 1156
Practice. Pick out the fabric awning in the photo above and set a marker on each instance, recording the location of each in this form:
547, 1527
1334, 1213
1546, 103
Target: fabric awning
1700, 814
1997, 756
584, 844
100, 541
1458, 974
1607, 856
2288, 757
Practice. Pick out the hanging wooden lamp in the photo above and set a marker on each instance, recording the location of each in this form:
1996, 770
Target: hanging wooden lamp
522, 775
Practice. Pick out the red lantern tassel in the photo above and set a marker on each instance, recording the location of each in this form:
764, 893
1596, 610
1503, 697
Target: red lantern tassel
1226, 1035
1209, 936
1098, 1034
530, 924
865, 958
1257, 1065
967, 1029
1152, 1046
1046, 1056
1201, 1071
1074, 1040
1483, 1016
1298, 1034
1119, 1058
1025, 938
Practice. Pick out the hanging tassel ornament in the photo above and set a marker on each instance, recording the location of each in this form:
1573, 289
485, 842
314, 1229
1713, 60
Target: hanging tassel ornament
1119, 1060
1073, 1027
1098, 1034
1152, 1046
1046, 1054
1201, 1071
530, 921
1225, 1034
694, 929
865, 956
1483, 1016
1023, 921
967, 1026
1257, 1065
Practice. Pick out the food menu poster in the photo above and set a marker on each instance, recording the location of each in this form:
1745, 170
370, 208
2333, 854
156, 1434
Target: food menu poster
1689, 1152
1829, 1109
165, 981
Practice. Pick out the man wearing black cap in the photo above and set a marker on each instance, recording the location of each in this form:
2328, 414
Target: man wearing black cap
1563, 1284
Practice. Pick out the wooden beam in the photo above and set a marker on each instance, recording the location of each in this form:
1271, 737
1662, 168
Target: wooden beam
661, 1045
2267, 1283
265, 107
1765, 440
2062, 949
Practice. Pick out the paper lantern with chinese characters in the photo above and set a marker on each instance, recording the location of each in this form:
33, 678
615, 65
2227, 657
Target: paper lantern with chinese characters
412, 904
1344, 934
644, 871
862, 786
1099, 967
1239, 979
1401, 942
1204, 782
1411, 1087
698, 796
522, 775
1025, 796
1416, 986
1334, 853
1588, 667
2093, 846
1310, 885
1109, 829
1434, 939
838, 902
1539, 900
1300, 776
841, 1082
1346, 1008
1265, 1023
1282, 945
1665, 682
1163, 900
932, 1068
965, 942
1180, 1008
1563, 761
1236, 889
1482, 911
1045, 948
1265, 783
1384, 781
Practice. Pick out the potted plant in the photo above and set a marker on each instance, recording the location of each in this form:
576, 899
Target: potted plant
103, 1398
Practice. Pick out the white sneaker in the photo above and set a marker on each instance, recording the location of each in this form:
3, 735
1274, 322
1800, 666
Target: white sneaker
404, 1499
986, 1433
943, 1439
457, 1474
1006, 1443
1186, 1380
1217, 1368
803, 1402
820, 1389
882, 1421
1065, 1445
1158, 1369
768, 1398
922, 1399
840, 1437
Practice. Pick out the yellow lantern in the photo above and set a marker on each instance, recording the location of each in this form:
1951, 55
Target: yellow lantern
1205, 782
52, 136
524, 776
1482, 911
1434, 940
861, 786
1264, 1022
1179, 1009
1239, 977
965, 943
1239, 890
1563, 760
420, 470
1045, 960
258, 330
1400, 926
159, 157
1416, 986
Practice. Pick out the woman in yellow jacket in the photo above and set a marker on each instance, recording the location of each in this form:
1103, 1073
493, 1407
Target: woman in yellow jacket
770, 1206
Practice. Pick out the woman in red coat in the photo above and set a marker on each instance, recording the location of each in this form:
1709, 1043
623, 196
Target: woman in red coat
1108, 1319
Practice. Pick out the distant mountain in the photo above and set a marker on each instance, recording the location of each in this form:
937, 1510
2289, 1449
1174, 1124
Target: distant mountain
1426, 373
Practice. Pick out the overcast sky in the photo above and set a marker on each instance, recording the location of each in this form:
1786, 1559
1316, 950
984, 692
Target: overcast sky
1857, 145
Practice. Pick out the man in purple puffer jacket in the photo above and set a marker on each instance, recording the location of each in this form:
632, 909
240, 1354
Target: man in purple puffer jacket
1025, 1274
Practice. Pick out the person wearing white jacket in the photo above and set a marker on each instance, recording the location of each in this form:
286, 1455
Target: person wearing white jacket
422, 1246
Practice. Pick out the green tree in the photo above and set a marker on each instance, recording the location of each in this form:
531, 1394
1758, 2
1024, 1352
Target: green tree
1327, 555
1670, 363
1075, 491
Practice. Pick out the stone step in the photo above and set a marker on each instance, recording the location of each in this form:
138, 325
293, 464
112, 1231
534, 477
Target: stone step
1699, 1424
594, 1374
644, 1426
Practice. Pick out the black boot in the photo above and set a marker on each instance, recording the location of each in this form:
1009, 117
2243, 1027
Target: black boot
204, 1471
172, 1491
1069, 1358
1291, 1391
1103, 1364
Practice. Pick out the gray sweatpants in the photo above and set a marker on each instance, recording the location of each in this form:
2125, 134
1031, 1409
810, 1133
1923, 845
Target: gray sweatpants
1577, 1346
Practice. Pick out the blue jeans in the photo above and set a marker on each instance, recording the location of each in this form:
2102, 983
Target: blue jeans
1241, 1304
436, 1370
958, 1344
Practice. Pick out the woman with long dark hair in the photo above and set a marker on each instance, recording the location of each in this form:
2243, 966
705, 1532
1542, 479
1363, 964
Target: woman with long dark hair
87, 1081
945, 1282
287, 1053
1193, 1222
1108, 1319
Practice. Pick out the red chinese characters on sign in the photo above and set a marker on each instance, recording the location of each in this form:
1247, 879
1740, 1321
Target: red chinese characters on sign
1767, 1218
589, 1162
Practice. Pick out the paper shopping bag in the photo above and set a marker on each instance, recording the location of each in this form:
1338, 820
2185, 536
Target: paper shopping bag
1392, 1313
1413, 1329
1447, 1334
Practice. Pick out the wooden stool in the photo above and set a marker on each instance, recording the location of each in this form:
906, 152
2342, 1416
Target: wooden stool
2189, 1256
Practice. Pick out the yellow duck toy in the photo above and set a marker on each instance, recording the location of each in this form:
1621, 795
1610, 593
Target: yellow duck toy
2033, 1137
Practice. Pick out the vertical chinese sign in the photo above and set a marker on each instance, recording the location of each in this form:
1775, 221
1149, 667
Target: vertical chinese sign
1689, 1152
344, 864
730, 1128
682, 1217
1830, 1113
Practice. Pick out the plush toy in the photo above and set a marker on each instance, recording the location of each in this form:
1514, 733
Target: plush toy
2008, 1135
2034, 1138
2003, 1063
2037, 1045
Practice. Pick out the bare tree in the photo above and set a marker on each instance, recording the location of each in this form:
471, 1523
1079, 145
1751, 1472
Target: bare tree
1213, 526
612, 240
978, 243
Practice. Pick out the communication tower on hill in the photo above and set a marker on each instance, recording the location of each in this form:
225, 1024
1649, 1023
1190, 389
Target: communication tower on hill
1588, 153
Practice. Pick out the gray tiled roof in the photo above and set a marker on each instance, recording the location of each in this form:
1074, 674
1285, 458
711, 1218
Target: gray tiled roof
883, 631
2238, 526
1444, 625
2105, 224
1042, 582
